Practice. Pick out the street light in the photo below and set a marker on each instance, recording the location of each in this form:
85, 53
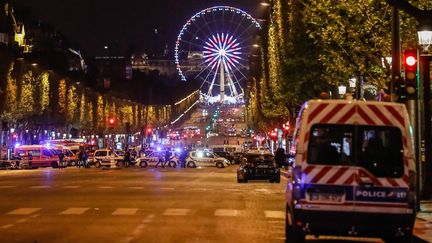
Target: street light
342, 90
425, 36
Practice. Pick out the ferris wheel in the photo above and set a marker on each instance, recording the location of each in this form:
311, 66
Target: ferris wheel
213, 47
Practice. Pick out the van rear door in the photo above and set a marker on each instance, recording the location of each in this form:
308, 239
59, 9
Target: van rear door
328, 176
382, 172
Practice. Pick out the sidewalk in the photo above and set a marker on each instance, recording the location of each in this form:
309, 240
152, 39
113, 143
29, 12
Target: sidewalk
423, 225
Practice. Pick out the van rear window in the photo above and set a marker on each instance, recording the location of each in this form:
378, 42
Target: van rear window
377, 148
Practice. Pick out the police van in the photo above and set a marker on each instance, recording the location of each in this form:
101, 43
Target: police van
354, 171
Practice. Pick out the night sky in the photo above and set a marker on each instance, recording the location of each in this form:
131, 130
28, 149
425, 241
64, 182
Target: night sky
122, 24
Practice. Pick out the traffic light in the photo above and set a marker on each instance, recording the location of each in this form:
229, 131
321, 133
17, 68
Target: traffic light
111, 122
400, 91
410, 66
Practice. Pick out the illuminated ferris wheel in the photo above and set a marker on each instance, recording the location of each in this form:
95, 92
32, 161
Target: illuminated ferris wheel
213, 47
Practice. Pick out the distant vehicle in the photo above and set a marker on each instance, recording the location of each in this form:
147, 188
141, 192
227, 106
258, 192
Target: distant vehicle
258, 150
205, 159
106, 157
237, 157
212, 134
226, 148
153, 158
70, 157
225, 155
37, 155
258, 166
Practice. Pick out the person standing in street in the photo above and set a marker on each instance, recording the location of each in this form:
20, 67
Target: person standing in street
280, 157
160, 161
127, 158
61, 159
85, 158
30, 158
167, 157
80, 158
183, 157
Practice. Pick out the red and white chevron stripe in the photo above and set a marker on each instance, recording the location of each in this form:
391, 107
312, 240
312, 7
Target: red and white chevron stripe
337, 112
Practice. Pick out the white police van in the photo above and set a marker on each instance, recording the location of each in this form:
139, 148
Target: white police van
354, 171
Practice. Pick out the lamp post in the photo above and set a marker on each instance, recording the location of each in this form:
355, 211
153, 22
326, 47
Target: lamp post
424, 18
425, 41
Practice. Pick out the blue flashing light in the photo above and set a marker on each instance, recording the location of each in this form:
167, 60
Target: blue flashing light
158, 149
17, 145
178, 150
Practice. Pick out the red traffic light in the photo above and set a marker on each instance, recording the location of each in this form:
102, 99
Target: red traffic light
410, 60
111, 122
149, 130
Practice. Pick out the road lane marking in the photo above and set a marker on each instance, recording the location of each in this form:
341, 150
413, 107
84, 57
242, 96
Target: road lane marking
105, 187
199, 189
136, 187
232, 189
23, 211
74, 211
125, 211
71, 187
261, 190
22, 220
276, 221
40, 187
227, 212
7, 226
274, 214
176, 211
167, 188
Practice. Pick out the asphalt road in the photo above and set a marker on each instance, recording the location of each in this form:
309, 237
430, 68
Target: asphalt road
138, 205
141, 205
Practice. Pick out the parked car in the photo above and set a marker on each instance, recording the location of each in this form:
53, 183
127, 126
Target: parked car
258, 166
205, 159
238, 156
107, 157
226, 155
36, 155
153, 158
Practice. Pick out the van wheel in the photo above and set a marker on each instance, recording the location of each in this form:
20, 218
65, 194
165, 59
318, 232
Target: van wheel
172, 164
73, 163
219, 165
191, 164
143, 164
292, 233
98, 164
119, 164
54, 164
